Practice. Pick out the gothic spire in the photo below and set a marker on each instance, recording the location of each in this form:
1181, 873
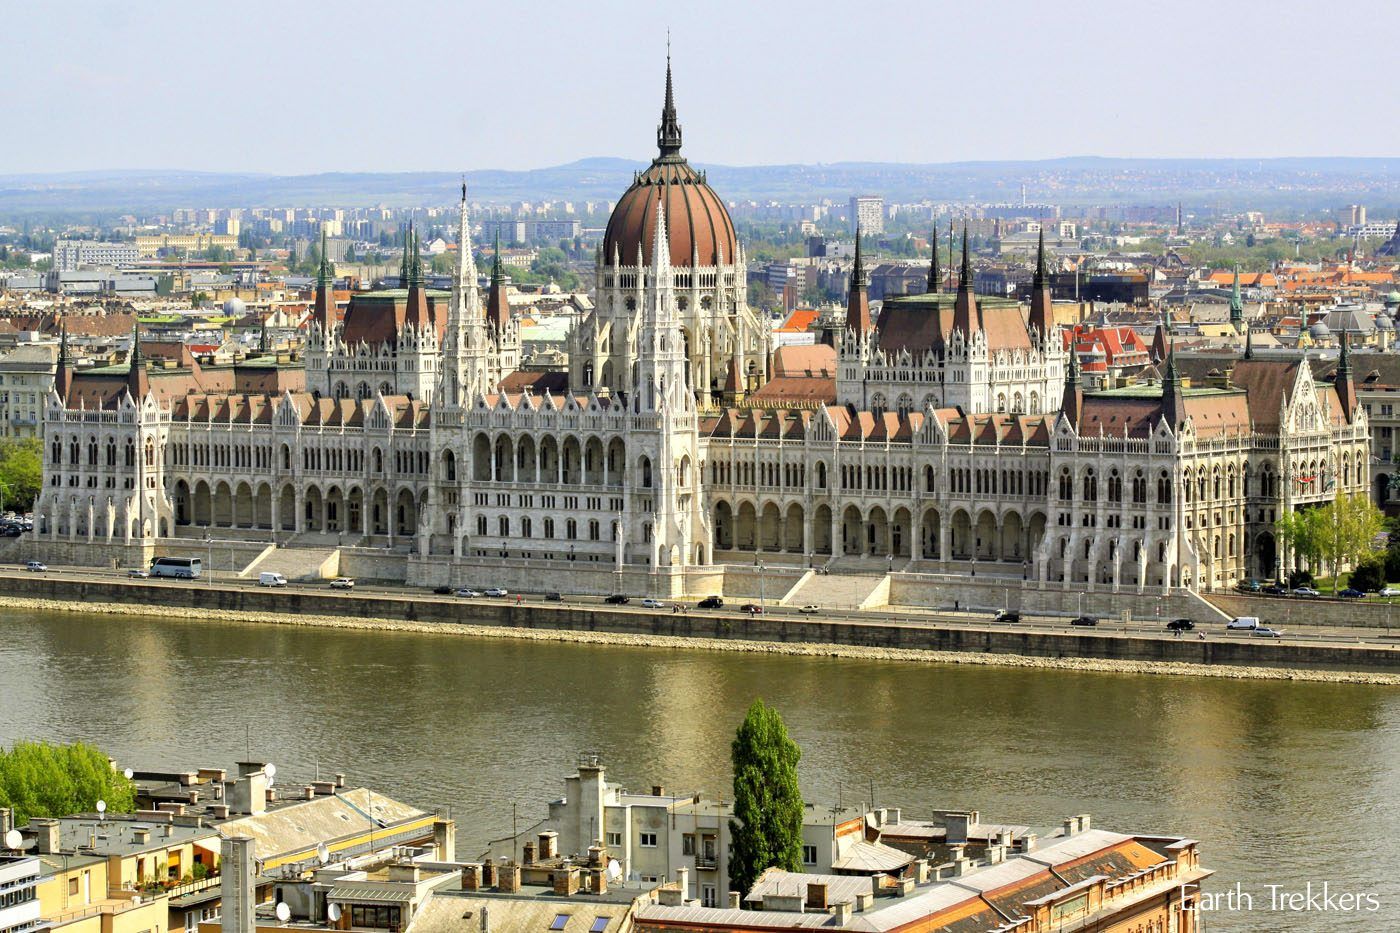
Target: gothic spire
935, 275
668, 134
1236, 305
1039, 279
1173, 394
497, 305
323, 271
1249, 344
415, 271
464, 288
403, 261
1042, 313
966, 317
858, 301
858, 276
1345, 385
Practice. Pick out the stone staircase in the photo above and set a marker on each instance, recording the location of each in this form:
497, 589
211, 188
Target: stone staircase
840, 591
296, 563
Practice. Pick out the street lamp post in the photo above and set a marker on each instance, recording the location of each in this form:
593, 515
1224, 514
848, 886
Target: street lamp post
761, 593
209, 540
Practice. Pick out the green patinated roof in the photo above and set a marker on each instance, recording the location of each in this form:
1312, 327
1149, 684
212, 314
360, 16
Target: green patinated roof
392, 294
948, 299
160, 318
1151, 390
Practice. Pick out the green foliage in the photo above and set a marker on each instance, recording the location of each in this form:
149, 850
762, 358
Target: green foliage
1334, 535
767, 829
21, 472
1369, 576
443, 263
38, 779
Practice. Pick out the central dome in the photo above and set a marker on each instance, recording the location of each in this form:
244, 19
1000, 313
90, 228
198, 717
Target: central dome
697, 224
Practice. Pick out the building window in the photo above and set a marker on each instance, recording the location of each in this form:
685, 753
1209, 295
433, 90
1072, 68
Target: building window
709, 897
647, 840
688, 844
615, 840
809, 855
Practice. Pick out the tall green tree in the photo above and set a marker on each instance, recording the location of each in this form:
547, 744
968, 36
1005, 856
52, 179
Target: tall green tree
767, 824
40, 779
1332, 536
21, 472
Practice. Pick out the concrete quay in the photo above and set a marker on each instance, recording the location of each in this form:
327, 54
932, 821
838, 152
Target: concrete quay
1110, 647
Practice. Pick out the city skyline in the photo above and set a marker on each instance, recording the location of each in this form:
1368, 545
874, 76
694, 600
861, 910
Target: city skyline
288, 90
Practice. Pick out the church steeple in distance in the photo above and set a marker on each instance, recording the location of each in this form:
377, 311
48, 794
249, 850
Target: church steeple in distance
935, 275
668, 134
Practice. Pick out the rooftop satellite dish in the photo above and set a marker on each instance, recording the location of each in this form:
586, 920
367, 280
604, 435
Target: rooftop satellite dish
270, 770
333, 912
323, 854
128, 772
614, 870
284, 913
13, 840
101, 806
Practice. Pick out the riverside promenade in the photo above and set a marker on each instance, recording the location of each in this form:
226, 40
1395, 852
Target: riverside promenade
1319, 653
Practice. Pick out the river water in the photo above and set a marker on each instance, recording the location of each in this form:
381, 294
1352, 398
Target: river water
1283, 783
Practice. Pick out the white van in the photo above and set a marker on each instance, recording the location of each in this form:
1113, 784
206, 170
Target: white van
271, 579
1247, 623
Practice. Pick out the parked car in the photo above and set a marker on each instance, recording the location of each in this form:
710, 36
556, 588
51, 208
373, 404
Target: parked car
36, 566
617, 599
710, 602
1085, 620
650, 603
1352, 592
1249, 586
1007, 615
497, 591
553, 597
136, 573
12, 531
1181, 625
1243, 623
1264, 631
468, 592
1390, 591
752, 609
442, 590
810, 610
1275, 589
342, 583
1305, 591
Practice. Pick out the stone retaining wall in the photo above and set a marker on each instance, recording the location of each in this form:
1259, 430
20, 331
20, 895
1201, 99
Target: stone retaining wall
507, 616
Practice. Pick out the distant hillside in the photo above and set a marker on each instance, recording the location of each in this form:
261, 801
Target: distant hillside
1265, 184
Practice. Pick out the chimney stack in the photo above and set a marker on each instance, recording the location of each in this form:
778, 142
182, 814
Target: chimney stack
734, 900
509, 880
48, 831
595, 856
598, 880
488, 874
657, 790
236, 856
566, 880
529, 856
471, 877
548, 844
816, 895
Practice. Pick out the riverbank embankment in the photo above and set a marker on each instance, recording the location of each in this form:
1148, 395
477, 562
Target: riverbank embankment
872, 640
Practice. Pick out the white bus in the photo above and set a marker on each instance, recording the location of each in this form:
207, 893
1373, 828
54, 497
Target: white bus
184, 568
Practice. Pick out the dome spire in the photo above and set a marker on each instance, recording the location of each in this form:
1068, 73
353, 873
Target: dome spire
668, 134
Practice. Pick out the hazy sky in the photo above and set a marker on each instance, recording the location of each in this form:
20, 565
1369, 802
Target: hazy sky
298, 86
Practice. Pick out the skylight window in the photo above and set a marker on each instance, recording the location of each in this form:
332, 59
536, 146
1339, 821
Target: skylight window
559, 921
599, 924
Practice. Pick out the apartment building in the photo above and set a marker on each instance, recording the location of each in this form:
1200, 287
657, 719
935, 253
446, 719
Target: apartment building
26, 379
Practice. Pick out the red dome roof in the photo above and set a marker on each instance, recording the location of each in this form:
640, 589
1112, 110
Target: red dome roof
697, 223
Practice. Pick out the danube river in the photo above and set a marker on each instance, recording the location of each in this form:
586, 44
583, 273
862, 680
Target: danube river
1283, 783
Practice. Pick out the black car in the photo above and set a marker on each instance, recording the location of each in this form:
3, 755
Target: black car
752, 609
1085, 620
553, 597
1352, 592
711, 602
1181, 625
617, 599
442, 590
1007, 615
1276, 589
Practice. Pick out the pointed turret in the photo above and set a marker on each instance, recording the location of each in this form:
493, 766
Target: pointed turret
858, 302
1249, 344
138, 381
1042, 316
403, 261
497, 307
323, 311
1072, 402
416, 313
1236, 305
966, 316
465, 301
668, 134
1345, 384
935, 275
63, 374
1173, 393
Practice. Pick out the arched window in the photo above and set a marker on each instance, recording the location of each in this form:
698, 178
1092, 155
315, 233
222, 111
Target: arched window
1066, 486
1115, 487
1091, 487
